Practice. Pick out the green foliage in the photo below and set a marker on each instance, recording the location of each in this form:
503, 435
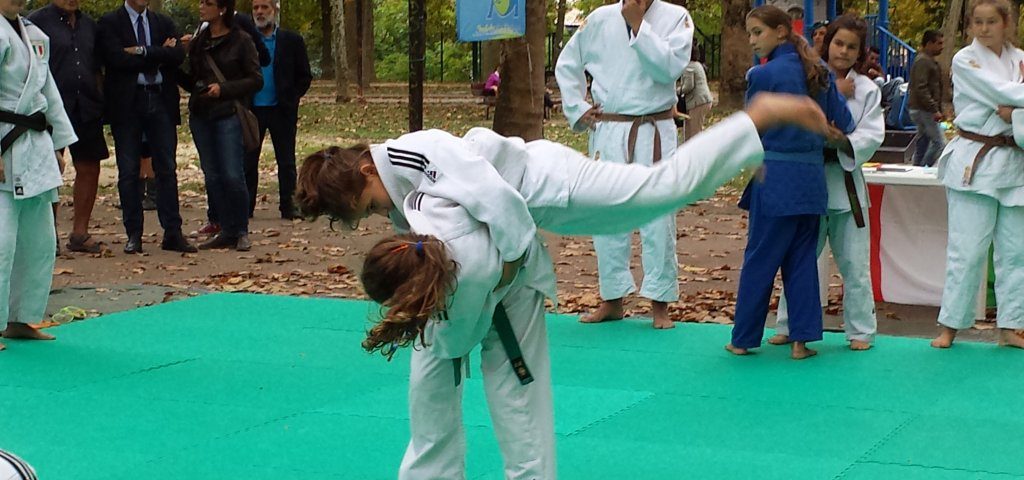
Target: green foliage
915, 16
391, 34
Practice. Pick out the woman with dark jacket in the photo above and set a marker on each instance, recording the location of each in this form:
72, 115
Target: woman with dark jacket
214, 116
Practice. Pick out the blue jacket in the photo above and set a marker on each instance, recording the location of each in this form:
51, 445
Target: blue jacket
794, 171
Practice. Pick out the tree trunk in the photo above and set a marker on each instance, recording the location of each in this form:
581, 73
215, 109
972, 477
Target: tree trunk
736, 53
326, 52
338, 48
519, 111
417, 51
951, 32
559, 29
368, 42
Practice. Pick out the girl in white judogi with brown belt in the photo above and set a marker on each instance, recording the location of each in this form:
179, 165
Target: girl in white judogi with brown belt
845, 228
30, 172
463, 194
983, 171
634, 51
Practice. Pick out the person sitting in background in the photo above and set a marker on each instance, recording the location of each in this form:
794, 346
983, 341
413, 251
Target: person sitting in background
492, 84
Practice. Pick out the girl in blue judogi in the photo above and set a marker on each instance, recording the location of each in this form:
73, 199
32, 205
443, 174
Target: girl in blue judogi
788, 197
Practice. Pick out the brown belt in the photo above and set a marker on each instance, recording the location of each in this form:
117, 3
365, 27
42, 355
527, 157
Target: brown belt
988, 143
831, 155
637, 121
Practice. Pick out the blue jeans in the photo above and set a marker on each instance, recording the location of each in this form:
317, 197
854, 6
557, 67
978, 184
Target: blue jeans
151, 120
219, 142
930, 140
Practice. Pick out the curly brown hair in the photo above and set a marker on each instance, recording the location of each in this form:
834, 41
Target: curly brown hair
411, 277
816, 73
330, 183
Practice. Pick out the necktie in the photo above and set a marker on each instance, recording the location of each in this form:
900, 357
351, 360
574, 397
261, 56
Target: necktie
140, 34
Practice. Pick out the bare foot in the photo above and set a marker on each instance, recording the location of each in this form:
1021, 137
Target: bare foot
779, 339
659, 310
799, 351
608, 310
945, 338
3, 347
1009, 338
737, 350
859, 345
25, 331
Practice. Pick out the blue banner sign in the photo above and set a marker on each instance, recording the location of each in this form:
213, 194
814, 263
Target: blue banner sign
478, 20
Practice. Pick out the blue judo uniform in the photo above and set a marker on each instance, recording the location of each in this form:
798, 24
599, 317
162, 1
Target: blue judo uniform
785, 207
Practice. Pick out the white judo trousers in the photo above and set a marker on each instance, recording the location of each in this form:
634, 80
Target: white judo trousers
987, 208
658, 237
27, 242
975, 222
851, 250
522, 414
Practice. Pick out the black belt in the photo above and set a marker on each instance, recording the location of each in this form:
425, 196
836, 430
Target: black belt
831, 155
155, 88
22, 124
508, 340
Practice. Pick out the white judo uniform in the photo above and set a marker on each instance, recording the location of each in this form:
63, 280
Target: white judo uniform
484, 195
990, 206
521, 414
634, 73
27, 237
851, 246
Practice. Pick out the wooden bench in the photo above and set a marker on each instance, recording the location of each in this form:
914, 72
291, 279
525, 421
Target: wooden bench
487, 100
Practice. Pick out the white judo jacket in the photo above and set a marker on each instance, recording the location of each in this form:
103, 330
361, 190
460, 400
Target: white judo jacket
440, 164
981, 83
27, 87
866, 110
634, 73
470, 309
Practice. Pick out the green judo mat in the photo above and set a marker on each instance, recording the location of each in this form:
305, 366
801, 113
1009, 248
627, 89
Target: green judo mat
238, 386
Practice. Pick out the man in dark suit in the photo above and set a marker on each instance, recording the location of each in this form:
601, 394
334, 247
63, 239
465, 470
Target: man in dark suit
285, 81
141, 55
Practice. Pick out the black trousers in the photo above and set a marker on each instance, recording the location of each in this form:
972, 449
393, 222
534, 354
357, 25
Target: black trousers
282, 123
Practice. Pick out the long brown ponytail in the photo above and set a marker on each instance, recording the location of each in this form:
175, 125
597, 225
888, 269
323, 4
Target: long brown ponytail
411, 277
815, 73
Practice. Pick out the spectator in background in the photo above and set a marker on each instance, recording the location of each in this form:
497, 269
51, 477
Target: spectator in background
223, 74
141, 54
75, 67
493, 82
818, 34
285, 80
872, 68
925, 100
697, 95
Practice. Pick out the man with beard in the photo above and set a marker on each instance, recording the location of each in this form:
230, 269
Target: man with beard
285, 80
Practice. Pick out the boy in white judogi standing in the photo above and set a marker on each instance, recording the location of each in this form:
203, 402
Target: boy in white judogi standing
635, 51
981, 169
846, 228
29, 104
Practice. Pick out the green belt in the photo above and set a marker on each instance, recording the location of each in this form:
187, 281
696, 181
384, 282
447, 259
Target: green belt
508, 340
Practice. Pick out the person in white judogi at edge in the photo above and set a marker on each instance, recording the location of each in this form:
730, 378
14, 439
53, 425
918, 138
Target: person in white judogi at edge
31, 172
634, 51
846, 224
483, 197
983, 171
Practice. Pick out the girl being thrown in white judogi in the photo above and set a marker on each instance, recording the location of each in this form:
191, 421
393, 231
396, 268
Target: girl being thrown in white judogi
983, 171
29, 173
